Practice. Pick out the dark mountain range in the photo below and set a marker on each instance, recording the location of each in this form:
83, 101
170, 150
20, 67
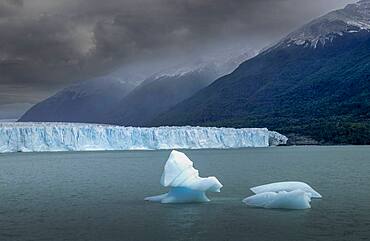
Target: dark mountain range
157, 96
109, 100
87, 101
314, 83
163, 91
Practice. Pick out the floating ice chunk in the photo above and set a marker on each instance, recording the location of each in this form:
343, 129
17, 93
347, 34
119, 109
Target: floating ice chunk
286, 186
184, 181
179, 172
296, 199
180, 195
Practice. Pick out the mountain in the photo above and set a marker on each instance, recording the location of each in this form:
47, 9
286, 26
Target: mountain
164, 90
109, 100
157, 95
314, 84
87, 101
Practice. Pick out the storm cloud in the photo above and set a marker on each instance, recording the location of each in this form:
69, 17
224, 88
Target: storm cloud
46, 45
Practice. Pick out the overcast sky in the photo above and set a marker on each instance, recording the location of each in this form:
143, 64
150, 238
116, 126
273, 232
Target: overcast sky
46, 45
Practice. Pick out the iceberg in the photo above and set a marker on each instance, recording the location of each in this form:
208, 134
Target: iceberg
288, 187
185, 184
47, 137
296, 199
276, 139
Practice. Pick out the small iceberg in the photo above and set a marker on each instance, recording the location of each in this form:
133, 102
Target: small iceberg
284, 195
296, 199
287, 187
185, 184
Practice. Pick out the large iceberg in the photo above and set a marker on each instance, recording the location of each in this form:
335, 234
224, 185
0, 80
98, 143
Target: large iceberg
185, 184
296, 199
39, 137
287, 187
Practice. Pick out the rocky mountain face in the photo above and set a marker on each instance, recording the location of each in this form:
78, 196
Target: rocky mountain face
353, 18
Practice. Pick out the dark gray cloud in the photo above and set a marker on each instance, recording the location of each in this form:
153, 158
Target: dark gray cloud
46, 45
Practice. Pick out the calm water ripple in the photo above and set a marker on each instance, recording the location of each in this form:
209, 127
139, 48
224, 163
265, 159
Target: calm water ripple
99, 196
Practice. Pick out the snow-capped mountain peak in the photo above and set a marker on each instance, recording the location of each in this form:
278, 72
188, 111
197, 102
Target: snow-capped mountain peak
353, 18
219, 64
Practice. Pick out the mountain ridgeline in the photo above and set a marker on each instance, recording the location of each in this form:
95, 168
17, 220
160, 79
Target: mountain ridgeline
314, 83
154, 97
158, 94
111, 101
88, 102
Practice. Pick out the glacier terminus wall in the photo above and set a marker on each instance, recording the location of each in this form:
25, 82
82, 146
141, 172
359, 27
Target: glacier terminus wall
47, 137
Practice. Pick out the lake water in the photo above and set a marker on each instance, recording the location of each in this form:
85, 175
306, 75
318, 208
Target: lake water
99, 196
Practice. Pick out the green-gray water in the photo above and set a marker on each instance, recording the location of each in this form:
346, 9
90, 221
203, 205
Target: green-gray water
99, 196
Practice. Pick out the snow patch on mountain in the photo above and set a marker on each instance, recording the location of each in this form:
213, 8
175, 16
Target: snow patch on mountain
219, 65
353, 18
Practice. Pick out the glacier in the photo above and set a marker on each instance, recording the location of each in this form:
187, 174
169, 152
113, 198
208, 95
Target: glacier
296, 199
185, 184
50, 137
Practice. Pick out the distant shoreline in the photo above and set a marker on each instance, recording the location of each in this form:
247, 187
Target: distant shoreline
8, 120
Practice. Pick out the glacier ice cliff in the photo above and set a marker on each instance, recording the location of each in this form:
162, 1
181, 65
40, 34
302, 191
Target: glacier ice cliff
40, 137
185, 184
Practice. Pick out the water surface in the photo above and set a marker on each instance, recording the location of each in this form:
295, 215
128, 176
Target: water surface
99, 196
